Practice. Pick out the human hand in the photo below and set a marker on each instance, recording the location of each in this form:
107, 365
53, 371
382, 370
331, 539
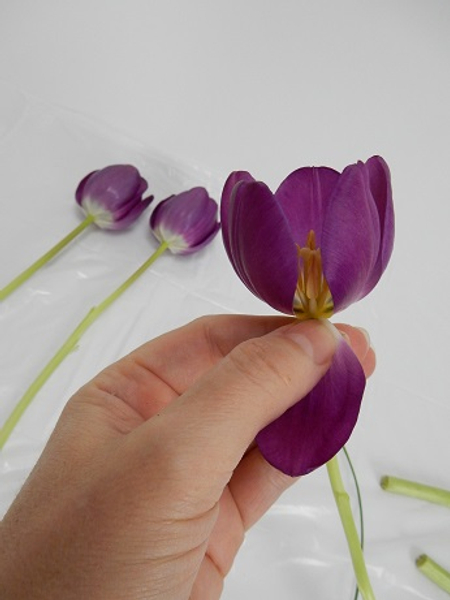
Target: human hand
150, 479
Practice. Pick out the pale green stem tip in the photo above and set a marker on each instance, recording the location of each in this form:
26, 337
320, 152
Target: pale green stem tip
434, 572
413, 489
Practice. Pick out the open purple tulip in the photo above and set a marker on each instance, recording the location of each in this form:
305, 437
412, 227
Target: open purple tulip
312, 248
186, 222
113, 196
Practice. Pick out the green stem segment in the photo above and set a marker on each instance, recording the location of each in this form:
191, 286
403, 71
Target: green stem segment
345, 512
433, 571
70, 345
360, 507
40, 262
415, 490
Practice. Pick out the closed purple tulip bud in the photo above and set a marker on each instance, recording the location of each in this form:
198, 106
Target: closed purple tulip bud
186, 222
312, 248
113, 196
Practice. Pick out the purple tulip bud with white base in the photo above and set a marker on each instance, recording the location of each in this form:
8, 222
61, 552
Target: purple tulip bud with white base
312, 248
186, 222
113, 196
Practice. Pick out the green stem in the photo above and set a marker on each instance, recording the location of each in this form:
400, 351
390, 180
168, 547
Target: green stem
345, 512
22, 277
433, 571
69, 345
415, 490
360, 506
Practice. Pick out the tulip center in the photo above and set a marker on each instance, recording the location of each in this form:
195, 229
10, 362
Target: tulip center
313, 299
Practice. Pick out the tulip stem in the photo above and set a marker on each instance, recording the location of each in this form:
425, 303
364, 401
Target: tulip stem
434, 572
345, 512
45, 258
69, 345
360, 507
415, 490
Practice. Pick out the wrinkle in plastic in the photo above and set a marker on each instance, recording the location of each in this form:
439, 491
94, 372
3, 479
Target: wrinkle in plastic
297, 551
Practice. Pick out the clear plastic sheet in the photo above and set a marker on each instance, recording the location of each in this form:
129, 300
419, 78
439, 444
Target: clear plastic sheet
297, 551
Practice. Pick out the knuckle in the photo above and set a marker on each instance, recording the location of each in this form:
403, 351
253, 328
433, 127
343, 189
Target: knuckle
203, 322
213, 329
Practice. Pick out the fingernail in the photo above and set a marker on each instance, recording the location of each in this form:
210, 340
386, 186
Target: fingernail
317, 338
345, 336
366, 335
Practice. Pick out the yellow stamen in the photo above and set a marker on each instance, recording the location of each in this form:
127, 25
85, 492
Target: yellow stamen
312, 298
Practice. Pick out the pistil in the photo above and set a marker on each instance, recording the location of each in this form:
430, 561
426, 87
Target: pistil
312, 298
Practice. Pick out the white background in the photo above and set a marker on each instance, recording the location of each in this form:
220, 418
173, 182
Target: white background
266, 87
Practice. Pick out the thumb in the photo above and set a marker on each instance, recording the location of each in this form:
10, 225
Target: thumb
206, 431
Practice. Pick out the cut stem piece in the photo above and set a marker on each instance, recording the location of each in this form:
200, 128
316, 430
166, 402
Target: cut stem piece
405, 487
345, 512
40, 262
434, 572
70, 345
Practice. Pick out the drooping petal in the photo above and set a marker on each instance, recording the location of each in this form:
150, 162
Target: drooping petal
311, 432
304, 197
379, 183
261, 247
234, 178
350, 237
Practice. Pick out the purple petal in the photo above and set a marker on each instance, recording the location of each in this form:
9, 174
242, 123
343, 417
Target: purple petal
124, 209
112, 186
350, 237
158, 213
198, 217
203, 243
304, 197
186, 221
79, 192
228, 210
143, 185
190, 214
379, 182
262, 250
310, 433
227, 191
127, 218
